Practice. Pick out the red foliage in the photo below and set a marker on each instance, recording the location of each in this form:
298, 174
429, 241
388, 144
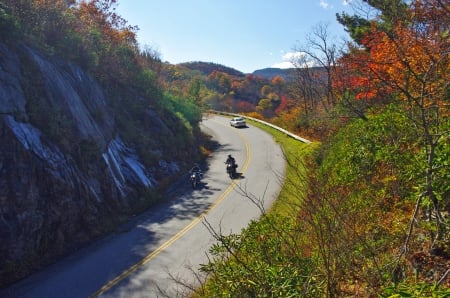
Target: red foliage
285, 104
244, 106
354, 76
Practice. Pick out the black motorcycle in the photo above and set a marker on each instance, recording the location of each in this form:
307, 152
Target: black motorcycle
195, 179
231, 169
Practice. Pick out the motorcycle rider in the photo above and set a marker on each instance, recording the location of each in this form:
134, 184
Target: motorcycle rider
195, 174
230, 160
196, 169
231, 165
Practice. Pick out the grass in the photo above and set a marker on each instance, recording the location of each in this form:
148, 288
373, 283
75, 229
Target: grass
294, 185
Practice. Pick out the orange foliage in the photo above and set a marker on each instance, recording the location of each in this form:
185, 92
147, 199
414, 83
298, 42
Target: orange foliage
404, 63
100, 15
412, 61
353, 75
236, 84
277, 81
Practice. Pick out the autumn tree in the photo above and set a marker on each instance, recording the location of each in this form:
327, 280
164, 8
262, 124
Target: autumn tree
322, 52
264, 107
278, 83
265, 90
150, 58
411, 62
197, 91
306, 89
313, 88
354, 87
110, 41
46, 23
221, 81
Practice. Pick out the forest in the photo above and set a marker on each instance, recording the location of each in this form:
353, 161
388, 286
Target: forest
365, 210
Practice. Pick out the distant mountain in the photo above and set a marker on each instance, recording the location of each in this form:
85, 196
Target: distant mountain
269, 73
290, 74
207, 68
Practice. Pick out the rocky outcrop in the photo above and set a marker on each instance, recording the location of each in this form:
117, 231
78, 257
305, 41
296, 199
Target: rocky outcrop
66, 175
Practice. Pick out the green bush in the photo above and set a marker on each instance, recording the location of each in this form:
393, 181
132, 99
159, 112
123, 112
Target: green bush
415, 290
380, 152
261, 262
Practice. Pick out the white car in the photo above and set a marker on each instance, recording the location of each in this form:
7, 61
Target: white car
238, 122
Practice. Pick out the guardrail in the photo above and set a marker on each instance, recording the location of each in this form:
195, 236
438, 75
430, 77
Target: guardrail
265, 123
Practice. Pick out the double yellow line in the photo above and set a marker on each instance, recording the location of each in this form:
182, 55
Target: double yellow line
178, 235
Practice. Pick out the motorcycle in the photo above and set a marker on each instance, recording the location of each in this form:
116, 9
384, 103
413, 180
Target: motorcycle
231, 169
195, 179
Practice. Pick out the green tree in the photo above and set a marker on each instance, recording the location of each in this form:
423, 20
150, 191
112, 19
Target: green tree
388, 14
194, 90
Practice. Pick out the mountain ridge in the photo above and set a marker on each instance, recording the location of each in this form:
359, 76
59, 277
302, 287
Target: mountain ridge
206, 68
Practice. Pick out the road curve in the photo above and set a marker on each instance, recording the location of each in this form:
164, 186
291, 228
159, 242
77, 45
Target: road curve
170, 241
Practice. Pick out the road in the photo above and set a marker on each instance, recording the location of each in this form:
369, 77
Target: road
154, 252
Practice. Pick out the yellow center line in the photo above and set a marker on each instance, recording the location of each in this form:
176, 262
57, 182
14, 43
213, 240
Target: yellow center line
178, 235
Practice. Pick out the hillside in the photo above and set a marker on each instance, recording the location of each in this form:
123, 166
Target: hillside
84, 145
269, 73
291, 74
206, 68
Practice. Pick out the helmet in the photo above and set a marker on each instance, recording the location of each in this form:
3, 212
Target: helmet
229, 155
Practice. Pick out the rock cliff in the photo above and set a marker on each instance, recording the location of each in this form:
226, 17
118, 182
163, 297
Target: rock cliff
66, 173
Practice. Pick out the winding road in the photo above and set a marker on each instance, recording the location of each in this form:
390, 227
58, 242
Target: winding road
156, 251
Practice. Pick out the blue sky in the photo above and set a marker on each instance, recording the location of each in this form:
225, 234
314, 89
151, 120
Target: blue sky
243, 34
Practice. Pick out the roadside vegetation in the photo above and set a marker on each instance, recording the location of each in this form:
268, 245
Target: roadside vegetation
339, 225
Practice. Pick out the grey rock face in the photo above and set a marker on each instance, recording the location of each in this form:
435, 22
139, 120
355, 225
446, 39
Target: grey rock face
58, 195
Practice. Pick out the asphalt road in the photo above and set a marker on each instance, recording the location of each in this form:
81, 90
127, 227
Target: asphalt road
151, 255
